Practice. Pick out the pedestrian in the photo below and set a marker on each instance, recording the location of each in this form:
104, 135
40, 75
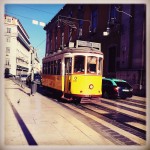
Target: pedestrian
33, 84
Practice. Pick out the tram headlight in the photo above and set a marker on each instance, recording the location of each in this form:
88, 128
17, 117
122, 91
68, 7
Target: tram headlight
91, 86
75, 78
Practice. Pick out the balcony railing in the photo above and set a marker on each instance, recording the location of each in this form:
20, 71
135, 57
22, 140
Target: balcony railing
23, 42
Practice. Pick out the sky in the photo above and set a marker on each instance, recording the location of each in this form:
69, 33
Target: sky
39, 12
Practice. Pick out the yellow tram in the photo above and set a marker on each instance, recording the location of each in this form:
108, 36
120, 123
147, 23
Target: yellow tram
76, 72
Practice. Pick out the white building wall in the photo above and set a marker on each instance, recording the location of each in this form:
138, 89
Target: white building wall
11, 43
22, 56
17, 50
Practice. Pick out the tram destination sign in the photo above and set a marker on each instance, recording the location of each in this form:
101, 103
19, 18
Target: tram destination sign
88, 44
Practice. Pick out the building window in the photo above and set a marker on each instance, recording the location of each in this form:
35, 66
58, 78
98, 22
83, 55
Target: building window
62, 40
48, 42
80, 7
94, 18
80, 23
70, 34
51, 45
8, 30
70, 27
8, 39
7, 50
70, 14
7, 61
113, 14
56, 43
9, 20
79, 33
112, 60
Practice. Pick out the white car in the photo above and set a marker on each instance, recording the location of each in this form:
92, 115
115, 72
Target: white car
23, 77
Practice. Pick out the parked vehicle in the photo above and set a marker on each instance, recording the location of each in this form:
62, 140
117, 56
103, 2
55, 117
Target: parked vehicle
37, 79
23, 77
8, 75
116, 88
17, 77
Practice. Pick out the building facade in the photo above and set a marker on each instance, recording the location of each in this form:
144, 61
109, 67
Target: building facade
35, 63
131, 60
119, 28
18, 48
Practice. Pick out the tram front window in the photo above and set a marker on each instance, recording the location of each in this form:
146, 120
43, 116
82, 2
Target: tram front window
91, 64
79, 64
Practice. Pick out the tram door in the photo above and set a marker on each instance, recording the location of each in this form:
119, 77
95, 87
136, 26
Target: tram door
67, 82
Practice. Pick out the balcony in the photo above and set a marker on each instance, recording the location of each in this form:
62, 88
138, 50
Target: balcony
23, 42
23, 63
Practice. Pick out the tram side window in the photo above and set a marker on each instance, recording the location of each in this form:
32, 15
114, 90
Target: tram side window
45, 68
91, 64
68, 65
58, 67
52, 67
48, 67
55, 67
79, 64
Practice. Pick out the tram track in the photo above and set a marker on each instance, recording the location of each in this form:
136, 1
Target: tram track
119, 118
105, 123
120, 125
124, 110
139, 105
126, 103
137, 101
122, 107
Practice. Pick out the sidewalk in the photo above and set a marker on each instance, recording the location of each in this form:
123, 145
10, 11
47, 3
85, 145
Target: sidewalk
38, 120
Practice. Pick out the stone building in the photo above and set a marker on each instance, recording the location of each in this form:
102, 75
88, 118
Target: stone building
35, 62
119, 28
131, 57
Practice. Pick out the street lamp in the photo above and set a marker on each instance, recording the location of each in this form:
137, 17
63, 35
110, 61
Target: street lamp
107, 32
108, 29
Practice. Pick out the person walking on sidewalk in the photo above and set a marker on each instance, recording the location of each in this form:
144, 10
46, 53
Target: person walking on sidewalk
33, 85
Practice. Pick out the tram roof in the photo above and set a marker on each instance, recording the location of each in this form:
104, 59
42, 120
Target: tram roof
75, 50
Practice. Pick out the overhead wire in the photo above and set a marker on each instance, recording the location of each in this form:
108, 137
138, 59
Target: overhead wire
29, 19
8, 12
37, 9
18, 15
40, 43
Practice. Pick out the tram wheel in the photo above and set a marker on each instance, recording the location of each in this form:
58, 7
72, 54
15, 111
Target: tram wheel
76, 100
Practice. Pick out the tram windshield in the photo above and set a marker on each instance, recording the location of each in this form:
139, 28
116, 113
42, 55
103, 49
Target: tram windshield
91, 64
87, 64
79, 64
